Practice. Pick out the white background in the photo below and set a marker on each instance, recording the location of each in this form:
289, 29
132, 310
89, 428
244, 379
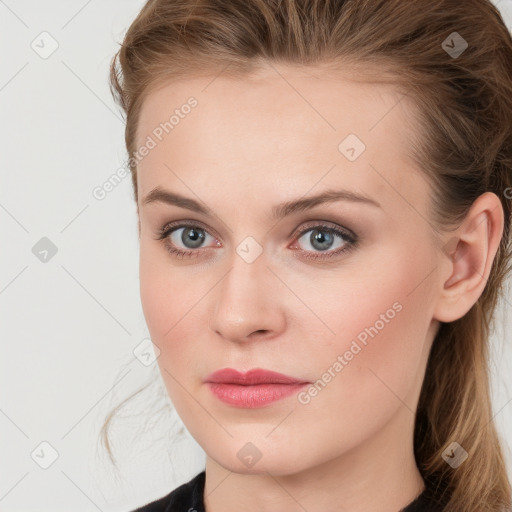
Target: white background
69, 326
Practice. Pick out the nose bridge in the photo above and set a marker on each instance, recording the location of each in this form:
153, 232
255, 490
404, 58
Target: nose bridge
243, 301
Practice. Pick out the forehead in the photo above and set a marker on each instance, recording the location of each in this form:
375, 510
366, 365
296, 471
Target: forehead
280, 128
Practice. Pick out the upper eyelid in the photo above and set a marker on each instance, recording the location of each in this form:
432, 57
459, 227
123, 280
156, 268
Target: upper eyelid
304, 228
326, 225
173, 226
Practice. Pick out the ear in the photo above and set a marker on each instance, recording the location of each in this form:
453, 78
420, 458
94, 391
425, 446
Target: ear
470, 252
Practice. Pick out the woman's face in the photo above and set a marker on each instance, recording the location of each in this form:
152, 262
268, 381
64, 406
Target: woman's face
268, 286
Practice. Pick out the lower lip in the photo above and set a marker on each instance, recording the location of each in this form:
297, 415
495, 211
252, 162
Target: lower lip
252, 397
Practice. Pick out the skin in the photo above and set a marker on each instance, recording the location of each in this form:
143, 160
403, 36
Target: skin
249, 145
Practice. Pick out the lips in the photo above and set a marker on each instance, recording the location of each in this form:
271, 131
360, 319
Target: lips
251, 378
254, 389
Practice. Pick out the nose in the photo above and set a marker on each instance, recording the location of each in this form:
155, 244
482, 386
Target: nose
246, 304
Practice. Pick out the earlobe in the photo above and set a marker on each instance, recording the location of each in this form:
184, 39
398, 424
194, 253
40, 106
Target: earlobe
471, 252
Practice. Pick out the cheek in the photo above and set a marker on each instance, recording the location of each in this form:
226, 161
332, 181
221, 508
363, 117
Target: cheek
173, 308
154, 293
163, 296
380, 324
165, 311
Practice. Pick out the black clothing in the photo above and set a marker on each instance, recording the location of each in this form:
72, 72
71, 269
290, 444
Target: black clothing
189, 498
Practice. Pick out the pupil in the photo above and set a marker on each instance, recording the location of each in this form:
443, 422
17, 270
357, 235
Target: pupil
322, 237
194, 234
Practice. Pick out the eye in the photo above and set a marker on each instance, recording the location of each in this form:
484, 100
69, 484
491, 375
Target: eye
190, 235
185, 238
321, 238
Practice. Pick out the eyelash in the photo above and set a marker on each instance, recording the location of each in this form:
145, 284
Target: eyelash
350, 239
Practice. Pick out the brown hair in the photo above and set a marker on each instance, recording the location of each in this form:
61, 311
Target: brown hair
463, 145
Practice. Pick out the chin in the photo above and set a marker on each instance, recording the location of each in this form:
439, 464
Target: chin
278, 463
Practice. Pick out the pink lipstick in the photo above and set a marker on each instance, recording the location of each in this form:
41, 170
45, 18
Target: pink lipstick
256, 388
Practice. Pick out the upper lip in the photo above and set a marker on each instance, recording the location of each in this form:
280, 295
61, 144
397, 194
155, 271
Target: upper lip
252, 377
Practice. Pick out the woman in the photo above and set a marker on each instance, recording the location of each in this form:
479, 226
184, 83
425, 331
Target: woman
324, 199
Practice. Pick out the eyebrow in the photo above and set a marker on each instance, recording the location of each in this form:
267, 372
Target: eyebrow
279, 211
